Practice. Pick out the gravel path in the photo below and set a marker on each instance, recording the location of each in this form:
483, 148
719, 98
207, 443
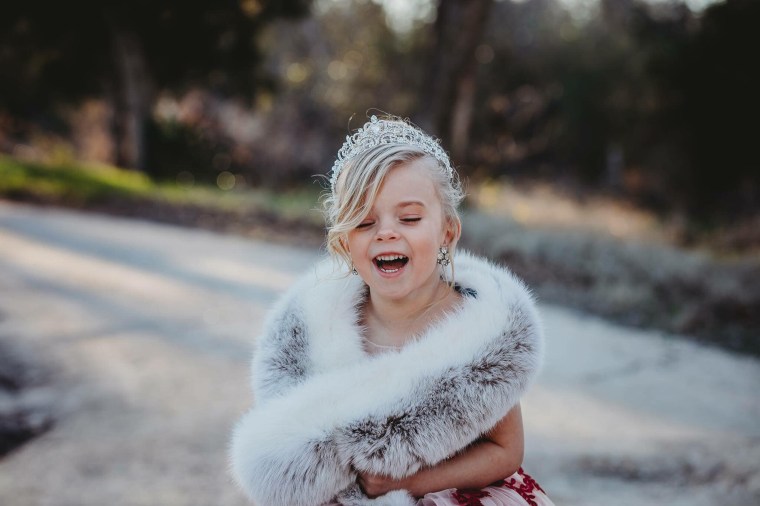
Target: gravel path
139, 337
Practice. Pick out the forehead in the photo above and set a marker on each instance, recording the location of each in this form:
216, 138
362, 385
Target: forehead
408, 182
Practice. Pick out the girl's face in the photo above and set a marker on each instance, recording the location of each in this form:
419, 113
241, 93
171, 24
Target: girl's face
395, 247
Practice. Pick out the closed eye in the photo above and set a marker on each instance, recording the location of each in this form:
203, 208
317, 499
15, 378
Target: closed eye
411, 220
365, 224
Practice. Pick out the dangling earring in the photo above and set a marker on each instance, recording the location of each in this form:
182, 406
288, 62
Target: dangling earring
354, 271
443, 256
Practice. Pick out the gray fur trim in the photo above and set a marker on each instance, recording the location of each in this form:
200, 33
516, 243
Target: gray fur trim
353, 496
284, 359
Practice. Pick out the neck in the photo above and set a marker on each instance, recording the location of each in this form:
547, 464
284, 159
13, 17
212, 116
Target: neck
401, 319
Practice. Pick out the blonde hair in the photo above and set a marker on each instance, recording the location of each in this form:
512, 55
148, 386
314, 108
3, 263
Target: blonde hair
359, 183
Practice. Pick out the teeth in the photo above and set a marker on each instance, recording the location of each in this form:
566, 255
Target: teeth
389, 258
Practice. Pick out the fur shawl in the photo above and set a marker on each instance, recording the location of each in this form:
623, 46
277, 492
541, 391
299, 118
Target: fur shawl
324, 408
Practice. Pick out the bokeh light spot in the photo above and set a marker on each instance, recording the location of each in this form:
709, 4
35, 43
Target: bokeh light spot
337, 70
297, 73
226, 180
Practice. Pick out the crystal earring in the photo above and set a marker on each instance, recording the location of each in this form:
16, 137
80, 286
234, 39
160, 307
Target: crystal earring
443, 256
354, 271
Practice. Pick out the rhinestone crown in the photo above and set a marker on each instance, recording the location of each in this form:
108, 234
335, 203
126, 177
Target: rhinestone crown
387, 131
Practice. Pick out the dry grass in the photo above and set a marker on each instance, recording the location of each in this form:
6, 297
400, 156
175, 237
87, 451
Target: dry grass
616, 261
544, 206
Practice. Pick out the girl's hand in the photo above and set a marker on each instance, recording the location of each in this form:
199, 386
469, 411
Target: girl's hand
496, 455
375, 485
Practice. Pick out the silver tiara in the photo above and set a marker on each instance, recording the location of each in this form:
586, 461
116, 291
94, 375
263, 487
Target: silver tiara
382, 131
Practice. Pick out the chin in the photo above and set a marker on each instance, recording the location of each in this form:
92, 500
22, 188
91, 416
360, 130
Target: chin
385, 289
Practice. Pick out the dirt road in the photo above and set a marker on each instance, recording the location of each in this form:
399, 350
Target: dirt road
140, 335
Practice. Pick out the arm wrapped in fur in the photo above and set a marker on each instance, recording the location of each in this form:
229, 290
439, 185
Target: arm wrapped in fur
324, 409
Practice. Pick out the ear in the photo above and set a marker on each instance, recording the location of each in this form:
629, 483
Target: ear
452, 232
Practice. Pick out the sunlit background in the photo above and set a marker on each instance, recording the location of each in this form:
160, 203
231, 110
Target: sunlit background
617, 119
608, 149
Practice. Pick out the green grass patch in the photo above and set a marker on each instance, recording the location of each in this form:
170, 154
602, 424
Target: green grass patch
69, 182
82, 185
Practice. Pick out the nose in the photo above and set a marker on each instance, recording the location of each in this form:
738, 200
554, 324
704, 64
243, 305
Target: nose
386, 232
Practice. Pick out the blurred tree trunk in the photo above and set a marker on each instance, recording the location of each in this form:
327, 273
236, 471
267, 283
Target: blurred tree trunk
133, 99
449, 93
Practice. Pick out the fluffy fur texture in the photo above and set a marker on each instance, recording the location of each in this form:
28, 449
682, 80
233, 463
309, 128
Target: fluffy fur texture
325, 409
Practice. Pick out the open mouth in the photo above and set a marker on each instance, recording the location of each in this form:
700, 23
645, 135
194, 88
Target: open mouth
390, 263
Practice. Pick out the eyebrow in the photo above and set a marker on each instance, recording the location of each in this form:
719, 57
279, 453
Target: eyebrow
408, 203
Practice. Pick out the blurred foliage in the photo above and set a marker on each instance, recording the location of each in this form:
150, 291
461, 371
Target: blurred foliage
651, 102
127, 52
718, 108
648, 102
50, 51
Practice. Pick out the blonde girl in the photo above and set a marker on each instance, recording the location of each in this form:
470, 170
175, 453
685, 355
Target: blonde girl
397, 383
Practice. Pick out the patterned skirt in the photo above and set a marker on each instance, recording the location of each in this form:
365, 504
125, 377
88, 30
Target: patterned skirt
520, 489
517, 490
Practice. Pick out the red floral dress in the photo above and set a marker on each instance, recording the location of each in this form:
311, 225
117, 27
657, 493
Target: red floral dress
520, 489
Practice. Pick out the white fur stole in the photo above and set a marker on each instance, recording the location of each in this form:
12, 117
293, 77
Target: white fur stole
325, 409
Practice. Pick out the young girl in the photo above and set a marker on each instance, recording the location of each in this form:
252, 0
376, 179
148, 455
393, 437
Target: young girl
398, 381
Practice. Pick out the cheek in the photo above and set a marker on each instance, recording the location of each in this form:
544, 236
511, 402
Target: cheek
439, 237
355, 244
429, 244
